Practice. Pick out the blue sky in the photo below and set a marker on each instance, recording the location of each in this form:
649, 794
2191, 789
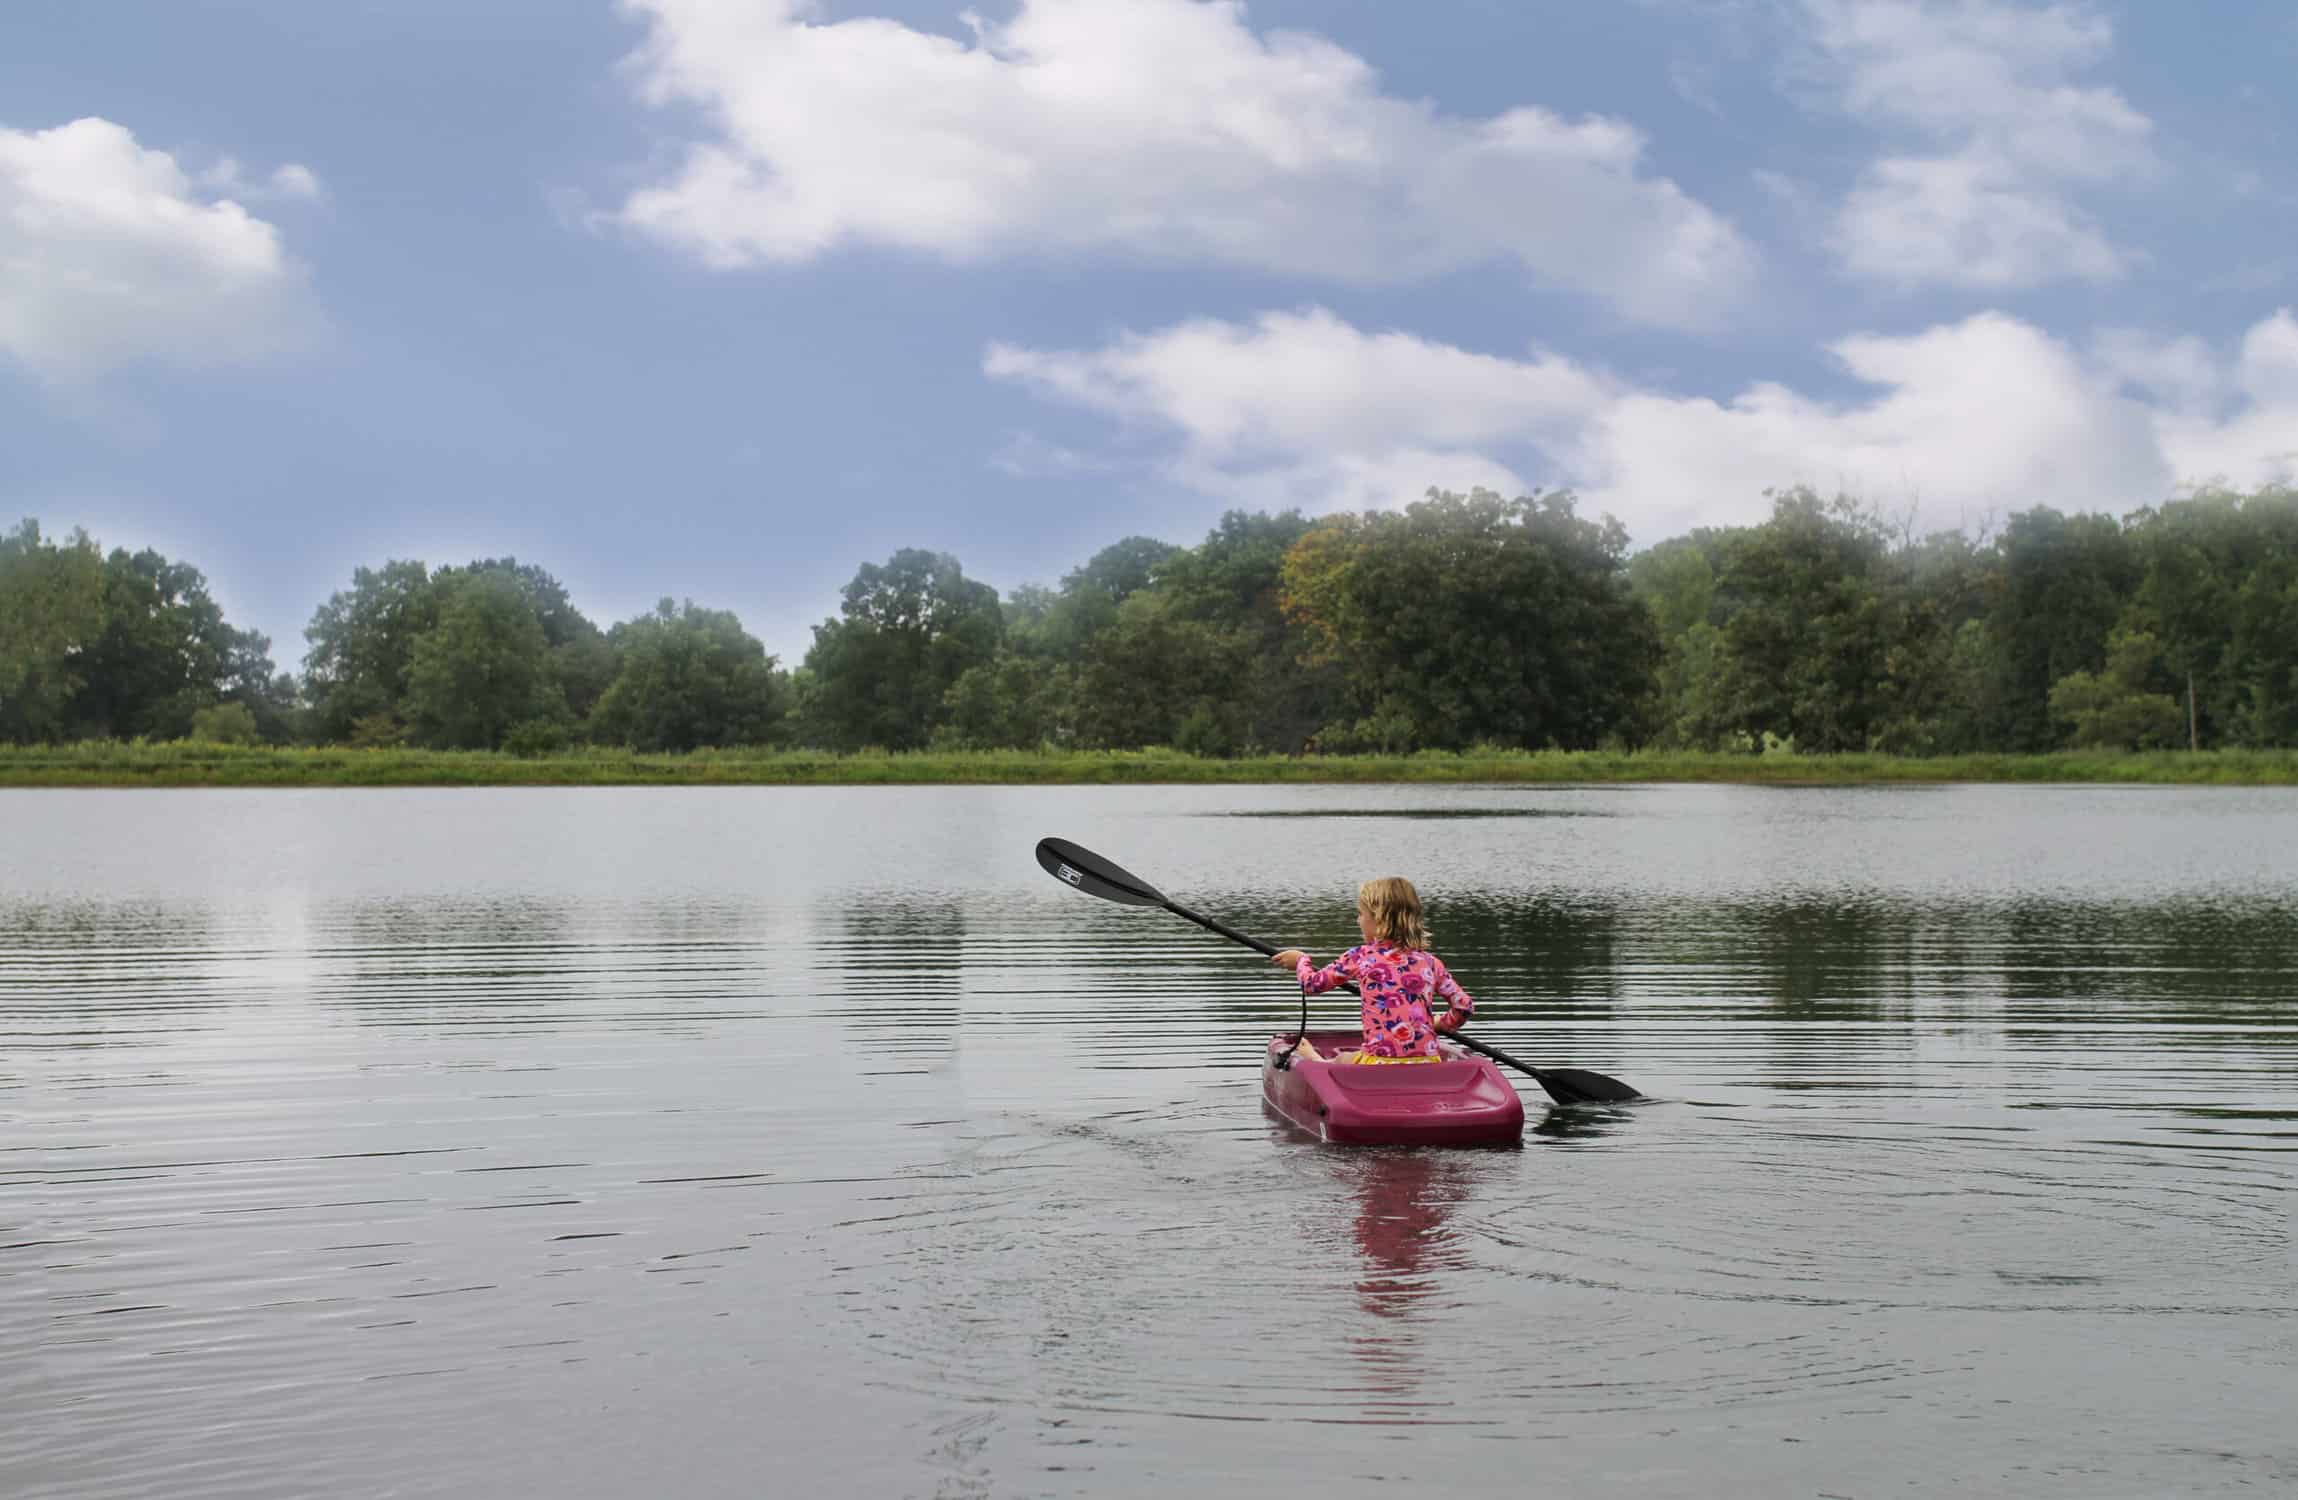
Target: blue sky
722, 298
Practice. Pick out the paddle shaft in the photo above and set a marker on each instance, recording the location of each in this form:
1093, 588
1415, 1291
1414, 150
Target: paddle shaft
1271, 950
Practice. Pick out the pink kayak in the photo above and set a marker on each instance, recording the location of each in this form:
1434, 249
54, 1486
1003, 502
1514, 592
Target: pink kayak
1462, 1101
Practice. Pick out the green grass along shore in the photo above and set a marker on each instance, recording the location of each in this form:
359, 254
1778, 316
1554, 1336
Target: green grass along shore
179, 764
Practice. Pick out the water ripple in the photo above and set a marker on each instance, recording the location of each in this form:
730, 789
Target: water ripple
584, 1143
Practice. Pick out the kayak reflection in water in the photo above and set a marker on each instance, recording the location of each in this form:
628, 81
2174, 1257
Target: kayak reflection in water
1403, 1199
1397, 974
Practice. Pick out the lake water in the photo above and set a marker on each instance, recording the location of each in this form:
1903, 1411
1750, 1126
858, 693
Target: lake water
812, 1142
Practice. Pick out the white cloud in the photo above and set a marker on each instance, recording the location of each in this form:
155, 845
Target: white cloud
1304, 409
2180, 374
228, 177
1985, 85
1969, 220
2239, 425
294, 180
109, 253
1988, 414
1985, 415
1163, 129
1296, 380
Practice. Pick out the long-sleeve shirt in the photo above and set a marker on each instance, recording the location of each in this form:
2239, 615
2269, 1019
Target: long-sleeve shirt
1398, 984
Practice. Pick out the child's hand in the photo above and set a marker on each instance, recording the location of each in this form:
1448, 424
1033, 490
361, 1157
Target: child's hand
1450, 1022
1289, 959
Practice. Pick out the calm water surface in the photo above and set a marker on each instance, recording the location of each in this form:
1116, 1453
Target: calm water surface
810, 1142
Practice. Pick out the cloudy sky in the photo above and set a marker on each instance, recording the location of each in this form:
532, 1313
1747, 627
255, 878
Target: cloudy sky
721, 298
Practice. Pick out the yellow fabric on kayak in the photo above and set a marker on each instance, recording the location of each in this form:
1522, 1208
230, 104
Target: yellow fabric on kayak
1367, 1057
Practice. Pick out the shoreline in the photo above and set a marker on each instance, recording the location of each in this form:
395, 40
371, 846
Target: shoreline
181, 764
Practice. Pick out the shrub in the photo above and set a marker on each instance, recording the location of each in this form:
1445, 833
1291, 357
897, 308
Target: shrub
534, 737
225, 724
1206, 733
380, 731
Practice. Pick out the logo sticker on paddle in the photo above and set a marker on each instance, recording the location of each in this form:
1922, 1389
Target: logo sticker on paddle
1070, 875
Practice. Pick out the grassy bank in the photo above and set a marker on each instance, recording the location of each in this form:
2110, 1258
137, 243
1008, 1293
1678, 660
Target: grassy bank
109, 764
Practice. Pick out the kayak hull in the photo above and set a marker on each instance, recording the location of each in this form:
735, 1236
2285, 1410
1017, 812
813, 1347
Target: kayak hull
1461, 1101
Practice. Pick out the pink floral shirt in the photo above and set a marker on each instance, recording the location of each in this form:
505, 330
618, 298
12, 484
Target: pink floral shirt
1398, 984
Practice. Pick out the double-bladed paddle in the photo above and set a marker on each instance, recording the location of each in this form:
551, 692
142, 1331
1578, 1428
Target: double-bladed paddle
1076, 866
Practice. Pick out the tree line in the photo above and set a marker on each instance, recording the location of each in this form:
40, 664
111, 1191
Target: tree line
1459, 620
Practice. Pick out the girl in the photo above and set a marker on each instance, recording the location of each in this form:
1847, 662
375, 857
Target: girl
1396, 972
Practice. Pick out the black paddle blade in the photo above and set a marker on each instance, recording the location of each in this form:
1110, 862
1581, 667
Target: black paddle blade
1579, 1086
1075, 865
1564, 1085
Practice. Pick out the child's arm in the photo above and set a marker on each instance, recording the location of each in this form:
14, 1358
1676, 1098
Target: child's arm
1458, 1005
1313, 979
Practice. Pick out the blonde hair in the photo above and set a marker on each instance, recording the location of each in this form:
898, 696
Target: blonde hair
1394, 907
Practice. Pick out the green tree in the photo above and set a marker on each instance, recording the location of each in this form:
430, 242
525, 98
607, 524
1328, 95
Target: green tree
881, 673
1937, 654
2065, 581
164, 654
1014, 702
51, 613
1690, 710
482, 665
1027, 617
2216, 566
690, 677
1060, 623
363, 649
1149, 643
582, 660
1834, 631
1279, 691
1121, 569
1806, 632
1150, 673
515, 650
1473, 618
2121, 707
1676, 581
130, 644
2264, 654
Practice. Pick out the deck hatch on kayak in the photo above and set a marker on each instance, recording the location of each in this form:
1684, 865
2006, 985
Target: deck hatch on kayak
1422, 1078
